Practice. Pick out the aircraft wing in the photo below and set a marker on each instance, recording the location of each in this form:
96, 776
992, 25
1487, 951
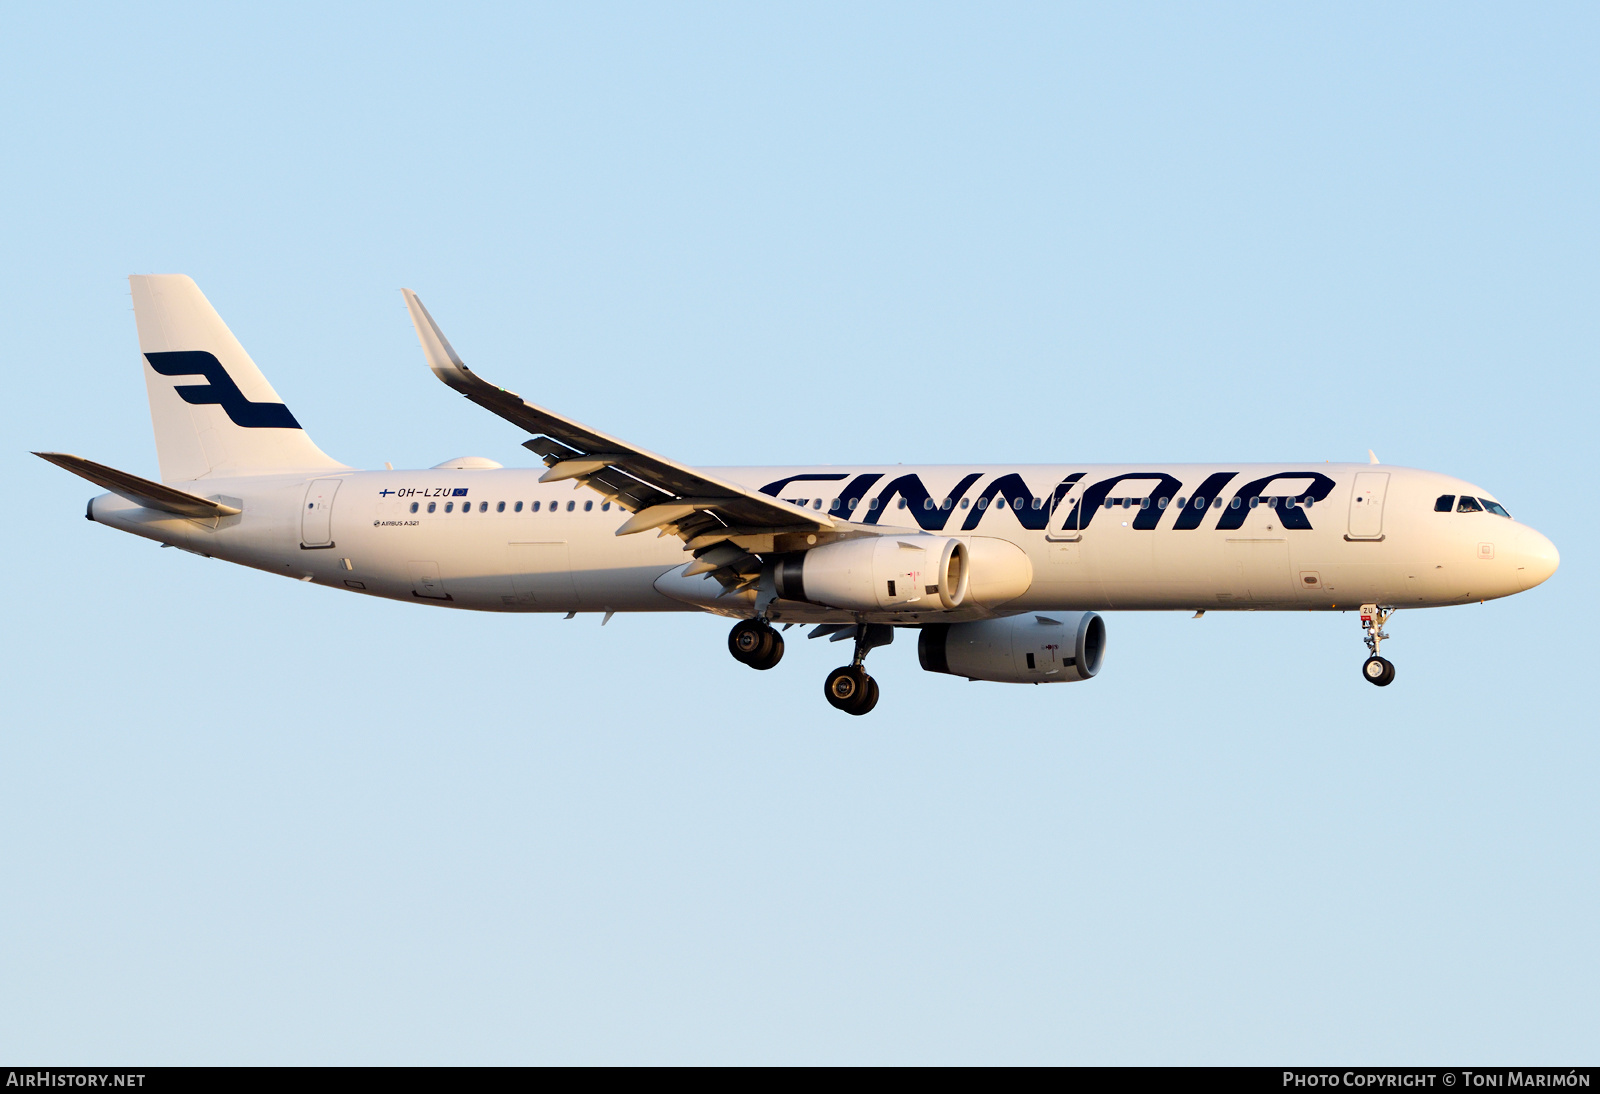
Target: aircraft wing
152, 495
661, 493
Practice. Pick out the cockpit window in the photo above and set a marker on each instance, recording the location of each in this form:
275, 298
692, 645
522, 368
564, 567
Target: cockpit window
1445, 503
1468, 505
1495, 507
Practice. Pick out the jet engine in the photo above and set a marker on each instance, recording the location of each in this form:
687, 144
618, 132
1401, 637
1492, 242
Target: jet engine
1000, 569
877, 573
1020, 649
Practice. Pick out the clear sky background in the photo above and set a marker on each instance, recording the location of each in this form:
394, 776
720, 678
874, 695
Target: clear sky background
243, 819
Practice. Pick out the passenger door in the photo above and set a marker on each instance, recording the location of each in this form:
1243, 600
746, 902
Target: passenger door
1366, 505
316, 517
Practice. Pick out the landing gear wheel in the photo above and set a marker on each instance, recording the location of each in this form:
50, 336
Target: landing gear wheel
755, 644
851, 690
773, 652
1379, 671
872, 697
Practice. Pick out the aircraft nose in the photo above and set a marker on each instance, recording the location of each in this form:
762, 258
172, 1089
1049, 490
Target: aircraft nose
1537, 559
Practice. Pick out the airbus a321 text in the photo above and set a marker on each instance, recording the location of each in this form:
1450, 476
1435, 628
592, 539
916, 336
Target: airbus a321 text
998, 570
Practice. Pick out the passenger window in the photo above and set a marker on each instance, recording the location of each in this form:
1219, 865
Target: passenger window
483, 506
816, 503
1144, 503
1468, 505
499, 507
1255, 502
947, 504
1445, 503
449, 507
1016, 503
571, 505
964, 503
1161, 503
1199, 503
983, 503
588, 506
1110, 502
605, 506
517, 508
1234, 504
873, 504
534, 507
431, 505
1181, 502
413, 507
1495, 507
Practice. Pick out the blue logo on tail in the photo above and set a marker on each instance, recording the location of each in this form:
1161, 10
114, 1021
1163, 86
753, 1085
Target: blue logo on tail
219, 389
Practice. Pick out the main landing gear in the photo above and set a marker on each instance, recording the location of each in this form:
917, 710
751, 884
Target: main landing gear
849, 688
753, 642
1377, 670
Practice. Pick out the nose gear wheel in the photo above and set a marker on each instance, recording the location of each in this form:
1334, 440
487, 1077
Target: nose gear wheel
1379, 671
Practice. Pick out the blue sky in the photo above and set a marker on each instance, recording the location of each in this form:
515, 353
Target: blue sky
245, 820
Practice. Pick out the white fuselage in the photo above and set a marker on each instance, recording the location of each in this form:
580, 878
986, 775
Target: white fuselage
498, 540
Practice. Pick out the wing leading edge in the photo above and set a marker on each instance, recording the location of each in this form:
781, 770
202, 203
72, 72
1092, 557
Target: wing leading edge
706, 512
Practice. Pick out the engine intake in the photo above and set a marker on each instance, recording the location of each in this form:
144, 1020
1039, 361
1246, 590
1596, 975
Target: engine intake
1021, 649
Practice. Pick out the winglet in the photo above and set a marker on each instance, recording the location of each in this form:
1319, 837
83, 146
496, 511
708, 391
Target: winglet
1372, 457
441, 355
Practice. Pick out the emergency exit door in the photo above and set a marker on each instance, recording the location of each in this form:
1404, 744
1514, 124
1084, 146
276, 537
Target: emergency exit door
316, 517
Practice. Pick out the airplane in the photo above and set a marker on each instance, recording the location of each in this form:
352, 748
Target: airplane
1001, 571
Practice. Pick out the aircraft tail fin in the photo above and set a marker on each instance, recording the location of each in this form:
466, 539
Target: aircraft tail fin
214, 414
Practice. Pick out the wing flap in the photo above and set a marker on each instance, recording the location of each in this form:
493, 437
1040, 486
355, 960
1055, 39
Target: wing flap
633, 477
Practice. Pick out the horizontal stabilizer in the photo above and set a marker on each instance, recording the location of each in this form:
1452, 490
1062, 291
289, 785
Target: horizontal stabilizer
151, 495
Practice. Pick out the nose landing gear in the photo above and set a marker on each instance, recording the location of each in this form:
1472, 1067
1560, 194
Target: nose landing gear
849, 688
753, 642
1376, 670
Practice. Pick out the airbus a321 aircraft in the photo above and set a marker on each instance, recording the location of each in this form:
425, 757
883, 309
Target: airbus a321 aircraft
999, 571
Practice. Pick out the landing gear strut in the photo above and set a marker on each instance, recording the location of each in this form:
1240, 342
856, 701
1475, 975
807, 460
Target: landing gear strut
1376, 670
753, 642
849, 688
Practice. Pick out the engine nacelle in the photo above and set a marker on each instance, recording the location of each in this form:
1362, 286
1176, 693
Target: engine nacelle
1021, 649
1000, 569
912, 573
